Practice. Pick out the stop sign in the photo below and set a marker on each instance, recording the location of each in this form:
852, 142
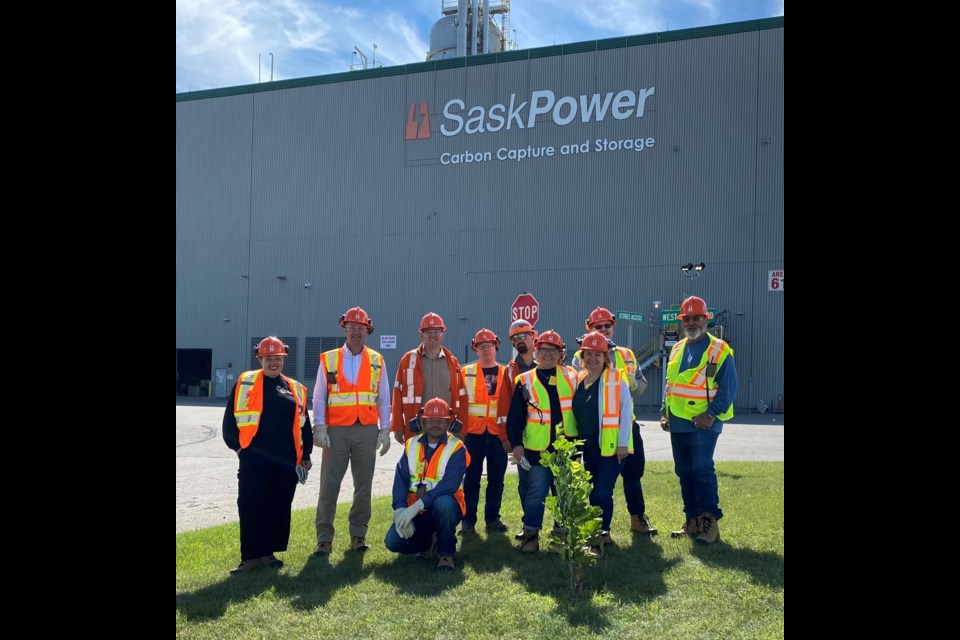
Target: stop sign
525, 307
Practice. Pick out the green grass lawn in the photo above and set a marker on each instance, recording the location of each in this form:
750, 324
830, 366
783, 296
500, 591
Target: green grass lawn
645, 587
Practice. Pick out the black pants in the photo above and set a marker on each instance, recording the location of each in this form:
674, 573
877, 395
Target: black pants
484, 446
264, 500
631, 472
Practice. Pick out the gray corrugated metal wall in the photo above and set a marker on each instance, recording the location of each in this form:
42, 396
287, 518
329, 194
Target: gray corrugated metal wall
317, 184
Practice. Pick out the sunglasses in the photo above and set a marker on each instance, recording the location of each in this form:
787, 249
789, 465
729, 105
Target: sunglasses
602, 326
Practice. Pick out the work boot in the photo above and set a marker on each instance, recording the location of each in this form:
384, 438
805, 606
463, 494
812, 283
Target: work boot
599, 550
709, 529
497, 525
359, 543
519, 535
271, 561
530, 542
446, 563
641, 524
690, 528
324, 548
557, 537
467, 527
246, 566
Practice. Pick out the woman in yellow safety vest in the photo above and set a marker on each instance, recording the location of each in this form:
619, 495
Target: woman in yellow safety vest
542, 401
603, 410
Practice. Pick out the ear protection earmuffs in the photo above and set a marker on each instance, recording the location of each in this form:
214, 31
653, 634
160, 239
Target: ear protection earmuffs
454, 428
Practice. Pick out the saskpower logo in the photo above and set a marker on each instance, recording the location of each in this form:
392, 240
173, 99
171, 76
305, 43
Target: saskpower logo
418, 129
458, 118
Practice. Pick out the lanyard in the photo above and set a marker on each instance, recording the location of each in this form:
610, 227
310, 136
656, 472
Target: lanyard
422, 462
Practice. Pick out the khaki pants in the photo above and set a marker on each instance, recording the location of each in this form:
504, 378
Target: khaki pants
356, 446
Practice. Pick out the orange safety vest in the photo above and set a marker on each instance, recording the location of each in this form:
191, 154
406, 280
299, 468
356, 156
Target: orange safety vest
408, 390
348, 403
248, 407
431, 474
481, 407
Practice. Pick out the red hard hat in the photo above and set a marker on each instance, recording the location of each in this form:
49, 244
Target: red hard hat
595, 341
358, 315
432, 321
550, 337
599, 315
693, 306
271, 346
522, 326
437, 408
485, 335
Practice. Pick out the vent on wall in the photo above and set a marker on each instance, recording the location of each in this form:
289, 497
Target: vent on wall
313, 347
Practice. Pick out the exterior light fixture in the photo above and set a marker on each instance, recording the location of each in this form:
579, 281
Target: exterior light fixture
693, 270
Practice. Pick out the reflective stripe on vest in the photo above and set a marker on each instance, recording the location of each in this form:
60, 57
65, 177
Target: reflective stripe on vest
248, 407
481, 407
687, 392
624, 359
435, 470
348, 402
609, 411
536, 433
410, 398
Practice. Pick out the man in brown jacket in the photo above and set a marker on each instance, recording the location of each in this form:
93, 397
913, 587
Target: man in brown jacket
429, 371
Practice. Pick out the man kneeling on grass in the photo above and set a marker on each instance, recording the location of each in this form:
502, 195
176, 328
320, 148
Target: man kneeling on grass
428, 499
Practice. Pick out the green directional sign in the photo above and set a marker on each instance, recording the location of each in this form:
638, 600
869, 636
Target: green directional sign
670, 315
628, 315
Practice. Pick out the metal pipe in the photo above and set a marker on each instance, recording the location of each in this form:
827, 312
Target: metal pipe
462, 28
506, 28
271, 67
474, 28
363, 56
486, 26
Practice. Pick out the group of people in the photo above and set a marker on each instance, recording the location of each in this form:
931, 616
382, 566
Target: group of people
451, 418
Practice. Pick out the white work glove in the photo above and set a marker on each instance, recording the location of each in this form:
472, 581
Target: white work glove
383, 441
523, 464
404, 521
403, 532
320, 436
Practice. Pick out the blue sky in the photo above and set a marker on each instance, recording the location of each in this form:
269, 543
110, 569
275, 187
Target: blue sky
218, 41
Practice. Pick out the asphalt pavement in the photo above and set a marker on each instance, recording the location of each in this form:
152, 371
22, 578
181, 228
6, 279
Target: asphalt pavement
207, 469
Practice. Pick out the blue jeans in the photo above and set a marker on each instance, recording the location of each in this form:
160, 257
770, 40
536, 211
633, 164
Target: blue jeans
480, 446
533, 488
693, 464
631, 472
442, 517
605, 471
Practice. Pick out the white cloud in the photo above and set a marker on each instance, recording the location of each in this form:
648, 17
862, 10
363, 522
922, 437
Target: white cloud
218, 41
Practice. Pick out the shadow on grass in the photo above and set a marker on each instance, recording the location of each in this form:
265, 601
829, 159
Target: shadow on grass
765, 568
320, 579
632, 570
630, 573
314, 586
545, 573
419, 576
212, 601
